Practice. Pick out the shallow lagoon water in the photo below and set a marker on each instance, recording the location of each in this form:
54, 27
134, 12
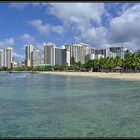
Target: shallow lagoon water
43, 105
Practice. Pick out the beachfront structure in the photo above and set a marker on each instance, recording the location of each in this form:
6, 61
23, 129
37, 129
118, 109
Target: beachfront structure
92, 50
68, 57
89, 57
60, 56
78, 51
54, 56
98, 56
79, 55
68, 54
7, 59
101, 53
28, 51
35, 58
49, 54
117, 51
1, 57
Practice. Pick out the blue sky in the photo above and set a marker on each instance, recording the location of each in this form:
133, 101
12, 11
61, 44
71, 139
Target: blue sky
99, 24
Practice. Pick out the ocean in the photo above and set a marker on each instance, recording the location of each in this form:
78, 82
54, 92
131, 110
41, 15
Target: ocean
44, 105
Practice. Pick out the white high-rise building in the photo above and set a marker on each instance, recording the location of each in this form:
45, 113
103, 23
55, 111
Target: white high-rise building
8, 57
78, 51
28, 51
90, 57
98, 56
35, 58
68, 57
1, 57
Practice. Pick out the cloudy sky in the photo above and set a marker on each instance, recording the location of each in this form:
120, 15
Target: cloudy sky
99, 24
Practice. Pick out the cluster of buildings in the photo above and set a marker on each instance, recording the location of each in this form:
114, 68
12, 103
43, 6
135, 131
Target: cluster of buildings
32, 57
79, 52
59, 56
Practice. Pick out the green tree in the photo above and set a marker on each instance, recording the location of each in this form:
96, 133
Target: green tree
137, 60
129, 61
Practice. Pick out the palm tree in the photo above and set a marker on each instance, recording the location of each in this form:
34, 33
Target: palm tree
137, 60
129, 61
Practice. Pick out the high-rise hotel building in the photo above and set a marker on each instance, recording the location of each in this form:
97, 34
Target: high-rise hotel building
49, 54
100, 53
1, 57
78, 51
117, 51
55, 56
28, 51
7, 57
60, 56
35, 58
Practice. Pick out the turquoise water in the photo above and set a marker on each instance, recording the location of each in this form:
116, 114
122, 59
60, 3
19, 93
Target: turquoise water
42, 105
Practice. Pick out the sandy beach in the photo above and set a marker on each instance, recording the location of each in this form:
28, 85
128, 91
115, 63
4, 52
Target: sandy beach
123, 76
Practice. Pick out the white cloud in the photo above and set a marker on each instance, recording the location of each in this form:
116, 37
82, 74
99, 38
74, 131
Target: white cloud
46, 29
96, 36
57, 28
79, 13
81, 18
78, 17
38, 25
128, 22
7, 43
86, 21
125, 29
27, 38
18, 6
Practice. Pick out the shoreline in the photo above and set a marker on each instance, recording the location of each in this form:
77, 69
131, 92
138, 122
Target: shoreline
109, 75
